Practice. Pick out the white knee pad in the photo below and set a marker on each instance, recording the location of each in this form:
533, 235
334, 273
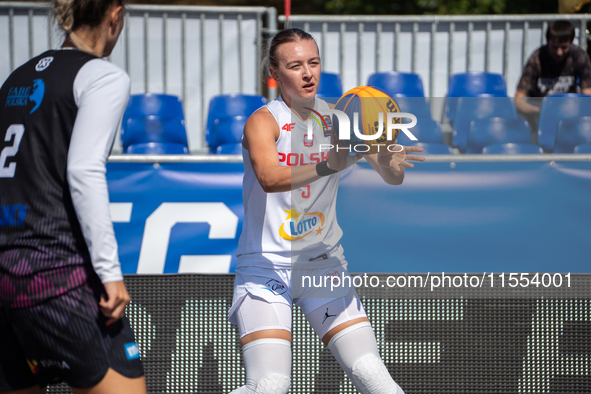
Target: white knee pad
356, 350
370, 375
273, 384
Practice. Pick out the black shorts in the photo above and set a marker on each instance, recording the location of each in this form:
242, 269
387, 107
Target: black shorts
64, 340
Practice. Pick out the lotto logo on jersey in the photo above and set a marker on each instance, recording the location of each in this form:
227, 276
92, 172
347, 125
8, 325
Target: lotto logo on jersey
288, 126
24, 95
297, 226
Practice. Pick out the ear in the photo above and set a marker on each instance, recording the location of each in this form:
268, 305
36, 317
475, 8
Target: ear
274, 74
116, 14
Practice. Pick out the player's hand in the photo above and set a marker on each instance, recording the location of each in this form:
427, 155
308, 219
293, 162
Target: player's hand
399, 159
113, 304
337, 159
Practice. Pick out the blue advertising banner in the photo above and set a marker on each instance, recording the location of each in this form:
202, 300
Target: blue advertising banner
474, 217
176, 217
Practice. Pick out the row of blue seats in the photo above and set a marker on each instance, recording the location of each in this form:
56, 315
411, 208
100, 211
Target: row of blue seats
154, 122
148, 115
478, 122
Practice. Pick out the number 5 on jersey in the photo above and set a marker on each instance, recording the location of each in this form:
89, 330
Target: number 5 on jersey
16, 130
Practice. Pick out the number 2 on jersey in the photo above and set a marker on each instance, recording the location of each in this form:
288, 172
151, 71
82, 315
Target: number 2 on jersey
16, 130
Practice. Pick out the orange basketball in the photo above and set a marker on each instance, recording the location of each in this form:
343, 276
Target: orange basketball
368, 103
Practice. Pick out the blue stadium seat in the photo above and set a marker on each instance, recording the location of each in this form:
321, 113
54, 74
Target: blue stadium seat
491, 131
556, 108
405, 88
229, 149
433, 148
512, 149
472, 84
231, 105
426, 130
418, 106
157, 148
474, 108
227, 130
397, 84
164, 105
571, 133
584, 148
330, 87
153, 128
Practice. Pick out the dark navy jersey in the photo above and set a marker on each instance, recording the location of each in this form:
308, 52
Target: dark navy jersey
43, 252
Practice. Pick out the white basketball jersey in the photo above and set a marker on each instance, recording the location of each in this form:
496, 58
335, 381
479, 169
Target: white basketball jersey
298, 226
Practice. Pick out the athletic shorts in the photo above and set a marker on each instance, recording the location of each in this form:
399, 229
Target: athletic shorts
307, 288
64, 339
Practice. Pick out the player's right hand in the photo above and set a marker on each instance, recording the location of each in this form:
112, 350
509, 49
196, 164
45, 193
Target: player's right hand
113, 304
337, 158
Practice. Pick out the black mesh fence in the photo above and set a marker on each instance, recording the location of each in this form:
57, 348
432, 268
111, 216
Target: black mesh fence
452, 339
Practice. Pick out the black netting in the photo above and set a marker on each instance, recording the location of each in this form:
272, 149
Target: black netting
455, 340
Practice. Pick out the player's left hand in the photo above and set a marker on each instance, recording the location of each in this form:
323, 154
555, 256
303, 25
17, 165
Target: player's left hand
113, 304
400, 158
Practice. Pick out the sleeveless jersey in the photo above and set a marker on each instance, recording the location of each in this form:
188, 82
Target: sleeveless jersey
42, 249
299, 226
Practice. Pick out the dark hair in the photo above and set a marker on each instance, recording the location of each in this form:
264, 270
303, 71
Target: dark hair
284, 36
71, 14
561, 30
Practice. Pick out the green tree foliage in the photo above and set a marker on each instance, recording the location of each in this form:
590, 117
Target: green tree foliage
405, 7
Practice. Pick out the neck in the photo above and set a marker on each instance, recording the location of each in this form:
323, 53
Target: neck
298, 105
86, 40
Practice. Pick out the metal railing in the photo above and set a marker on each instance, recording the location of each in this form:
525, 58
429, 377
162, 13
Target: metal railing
494, 43
198, 52
182, 50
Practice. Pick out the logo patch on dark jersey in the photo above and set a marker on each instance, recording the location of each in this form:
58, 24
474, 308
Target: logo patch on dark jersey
43, 63
34, 365
12, 215
23, 95
132, 351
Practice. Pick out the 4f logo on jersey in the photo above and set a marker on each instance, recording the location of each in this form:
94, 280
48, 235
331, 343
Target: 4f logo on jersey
288, 126
22, 96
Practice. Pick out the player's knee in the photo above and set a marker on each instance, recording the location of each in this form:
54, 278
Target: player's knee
372, 377
273, 384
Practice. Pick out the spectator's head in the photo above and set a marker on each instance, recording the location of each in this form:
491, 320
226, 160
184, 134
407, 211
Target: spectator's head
560, 36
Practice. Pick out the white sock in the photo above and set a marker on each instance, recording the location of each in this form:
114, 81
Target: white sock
268, 367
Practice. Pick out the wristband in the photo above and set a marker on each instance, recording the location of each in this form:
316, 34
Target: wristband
323, 170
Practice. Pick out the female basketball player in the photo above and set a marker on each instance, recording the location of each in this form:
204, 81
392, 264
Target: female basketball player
279, 191
62, 294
